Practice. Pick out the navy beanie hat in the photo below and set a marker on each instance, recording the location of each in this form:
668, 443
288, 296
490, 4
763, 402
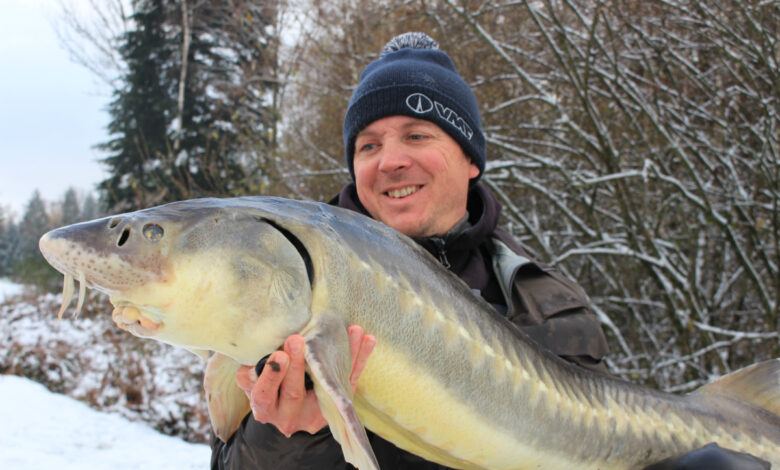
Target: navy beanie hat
414, 78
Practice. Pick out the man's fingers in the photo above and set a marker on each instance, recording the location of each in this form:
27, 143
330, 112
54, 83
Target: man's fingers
246, 378
361, 346
293, 385
360, 363
355, 334
265, 391
279, 396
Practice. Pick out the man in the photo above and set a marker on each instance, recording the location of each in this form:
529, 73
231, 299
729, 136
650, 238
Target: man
415, 151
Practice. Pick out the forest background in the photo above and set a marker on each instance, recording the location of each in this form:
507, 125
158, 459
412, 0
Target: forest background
633, 145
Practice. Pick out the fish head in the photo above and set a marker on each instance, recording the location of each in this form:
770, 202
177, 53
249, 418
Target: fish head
198, 274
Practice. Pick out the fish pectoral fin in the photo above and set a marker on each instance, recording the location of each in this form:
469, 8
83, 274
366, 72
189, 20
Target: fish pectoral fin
227, 403
329, 361
758, 385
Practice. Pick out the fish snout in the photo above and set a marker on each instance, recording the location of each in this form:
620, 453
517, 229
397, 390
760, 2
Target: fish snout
111, 254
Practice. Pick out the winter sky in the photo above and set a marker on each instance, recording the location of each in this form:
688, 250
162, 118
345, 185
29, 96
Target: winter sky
52, 110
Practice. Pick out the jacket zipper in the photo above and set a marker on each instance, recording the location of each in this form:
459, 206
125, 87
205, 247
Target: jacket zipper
441, 248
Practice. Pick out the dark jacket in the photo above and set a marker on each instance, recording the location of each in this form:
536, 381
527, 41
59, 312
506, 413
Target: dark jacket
546, 305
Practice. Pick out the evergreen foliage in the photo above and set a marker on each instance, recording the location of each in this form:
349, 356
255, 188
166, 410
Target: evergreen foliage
9, 240
27, 263
90, 209
71, 212
190, 97
140, 113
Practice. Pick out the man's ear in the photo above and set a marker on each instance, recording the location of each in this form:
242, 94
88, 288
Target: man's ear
473, 170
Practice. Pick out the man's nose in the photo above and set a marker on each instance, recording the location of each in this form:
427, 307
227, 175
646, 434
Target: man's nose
394, 157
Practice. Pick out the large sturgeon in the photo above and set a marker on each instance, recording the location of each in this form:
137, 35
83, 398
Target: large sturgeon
449, 379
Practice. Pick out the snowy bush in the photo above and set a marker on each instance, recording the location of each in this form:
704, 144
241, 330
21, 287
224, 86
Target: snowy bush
88, 358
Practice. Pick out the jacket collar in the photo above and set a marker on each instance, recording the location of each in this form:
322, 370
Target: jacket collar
480, 222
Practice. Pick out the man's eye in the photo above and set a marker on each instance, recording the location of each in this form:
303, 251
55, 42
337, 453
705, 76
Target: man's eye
416, 137
366, 147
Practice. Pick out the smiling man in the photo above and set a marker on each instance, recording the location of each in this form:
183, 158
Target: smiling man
412, 176
415, 151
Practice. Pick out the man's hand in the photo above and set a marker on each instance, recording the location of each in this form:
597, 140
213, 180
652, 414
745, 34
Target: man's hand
279, 397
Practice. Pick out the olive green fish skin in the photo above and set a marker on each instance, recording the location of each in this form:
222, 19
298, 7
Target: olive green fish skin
444, 358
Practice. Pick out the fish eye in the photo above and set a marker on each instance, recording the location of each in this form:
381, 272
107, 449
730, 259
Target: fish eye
153, 232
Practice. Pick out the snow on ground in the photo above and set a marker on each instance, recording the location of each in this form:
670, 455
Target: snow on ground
88, 358
8, 289
43, 430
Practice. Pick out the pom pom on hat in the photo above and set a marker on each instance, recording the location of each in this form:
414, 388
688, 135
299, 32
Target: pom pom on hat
412, 77
409, 41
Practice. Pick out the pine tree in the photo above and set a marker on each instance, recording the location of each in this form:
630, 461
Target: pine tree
28, 265
191, 96
71, 211
8, 242
35, 223
141, 113
90, 209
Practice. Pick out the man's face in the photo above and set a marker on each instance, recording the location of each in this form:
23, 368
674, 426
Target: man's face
412, 176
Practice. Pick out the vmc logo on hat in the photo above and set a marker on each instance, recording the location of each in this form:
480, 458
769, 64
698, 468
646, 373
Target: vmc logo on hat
421, 104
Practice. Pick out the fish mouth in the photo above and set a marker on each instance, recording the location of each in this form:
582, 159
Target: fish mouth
133, 320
